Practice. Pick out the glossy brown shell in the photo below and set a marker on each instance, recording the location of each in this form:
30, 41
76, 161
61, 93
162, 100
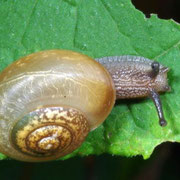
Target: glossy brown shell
53, 78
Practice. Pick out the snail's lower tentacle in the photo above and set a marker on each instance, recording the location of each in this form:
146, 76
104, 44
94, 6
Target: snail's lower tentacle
155, 97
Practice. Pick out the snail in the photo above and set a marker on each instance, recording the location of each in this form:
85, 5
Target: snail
50, 100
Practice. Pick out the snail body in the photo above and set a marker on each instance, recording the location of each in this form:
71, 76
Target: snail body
50, 100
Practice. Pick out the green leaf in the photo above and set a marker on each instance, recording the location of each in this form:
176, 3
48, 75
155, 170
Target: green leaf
102, 28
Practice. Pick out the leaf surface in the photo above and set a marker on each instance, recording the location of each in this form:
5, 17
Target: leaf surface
101, 28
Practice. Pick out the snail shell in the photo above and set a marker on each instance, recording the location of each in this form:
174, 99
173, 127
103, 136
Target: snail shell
50, 100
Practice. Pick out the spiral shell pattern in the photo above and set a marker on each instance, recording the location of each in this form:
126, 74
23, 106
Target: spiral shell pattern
50, 132
50, 100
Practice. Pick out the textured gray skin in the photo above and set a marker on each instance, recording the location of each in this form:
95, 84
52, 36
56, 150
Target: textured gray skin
135, 77
132, 76
125, 58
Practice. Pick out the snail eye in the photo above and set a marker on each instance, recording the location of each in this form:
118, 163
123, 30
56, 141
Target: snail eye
155, 68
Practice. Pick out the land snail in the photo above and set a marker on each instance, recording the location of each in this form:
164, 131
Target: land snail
50, 100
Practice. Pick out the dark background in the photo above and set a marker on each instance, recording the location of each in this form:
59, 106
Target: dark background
165, 9
164, 163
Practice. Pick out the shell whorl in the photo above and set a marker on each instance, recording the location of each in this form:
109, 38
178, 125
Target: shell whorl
50, 132
44, 88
